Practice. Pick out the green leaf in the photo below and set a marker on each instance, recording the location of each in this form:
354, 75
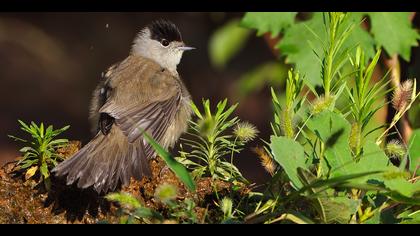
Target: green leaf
27, 163
330, 208
144, 212
59, 131
124, 199
334, 131
403, 199
25, 127
359, 36
414, 151
294, 45
226, 42
414, 115
17, 139
338, 209
409, 217
302, 40
314, 184
395, 181
27, 149
290, 155
44, 170
179, 170
375, 159
263, 22
196, 110
393, 31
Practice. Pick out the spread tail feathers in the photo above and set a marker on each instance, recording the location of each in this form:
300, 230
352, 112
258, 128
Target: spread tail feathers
106, 161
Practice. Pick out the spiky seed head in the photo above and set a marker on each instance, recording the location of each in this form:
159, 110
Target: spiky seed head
266, 161
355, 136
402, 95
394, 149
322, 103
245, 131
226, 205
286, 123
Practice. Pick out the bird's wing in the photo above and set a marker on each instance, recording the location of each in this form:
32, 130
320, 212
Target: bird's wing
154, 118
100, 96
145, 99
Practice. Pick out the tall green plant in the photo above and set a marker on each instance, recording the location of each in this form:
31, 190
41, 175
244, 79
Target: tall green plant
284, 116
213, 139
40, 156
323, 158
362, 98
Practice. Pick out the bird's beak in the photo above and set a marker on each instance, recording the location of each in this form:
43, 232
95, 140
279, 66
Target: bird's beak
185, 48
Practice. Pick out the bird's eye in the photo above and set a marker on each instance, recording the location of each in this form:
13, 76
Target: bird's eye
164, 42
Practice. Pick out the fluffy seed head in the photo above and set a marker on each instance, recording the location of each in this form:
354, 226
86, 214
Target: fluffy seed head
322, 103
226, 205
402, 95
245, 131
355, 135
394, 149
266, 161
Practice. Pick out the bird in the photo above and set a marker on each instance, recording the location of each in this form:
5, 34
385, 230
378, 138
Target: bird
142, 93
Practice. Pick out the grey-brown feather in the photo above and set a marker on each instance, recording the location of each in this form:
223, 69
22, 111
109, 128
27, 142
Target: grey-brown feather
144, 96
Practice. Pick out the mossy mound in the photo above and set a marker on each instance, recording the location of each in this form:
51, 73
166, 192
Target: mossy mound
25, 201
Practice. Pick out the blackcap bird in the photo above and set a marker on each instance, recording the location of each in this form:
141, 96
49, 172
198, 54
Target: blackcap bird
141, 93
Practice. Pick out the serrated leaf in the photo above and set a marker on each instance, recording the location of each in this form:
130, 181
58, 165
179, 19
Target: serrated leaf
302, 38
290, 155
374, 159
338, 209
359, 36
334, 131
263, 22
294, 45
393, 31
226, 42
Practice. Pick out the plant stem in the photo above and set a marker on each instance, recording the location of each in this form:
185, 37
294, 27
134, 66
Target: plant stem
303, 126
291, 217
231, 156
321, 157
212, 161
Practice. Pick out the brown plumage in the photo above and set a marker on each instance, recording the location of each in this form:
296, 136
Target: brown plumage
139, 93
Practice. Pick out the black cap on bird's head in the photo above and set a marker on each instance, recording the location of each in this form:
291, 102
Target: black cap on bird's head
164, 30
161, 41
